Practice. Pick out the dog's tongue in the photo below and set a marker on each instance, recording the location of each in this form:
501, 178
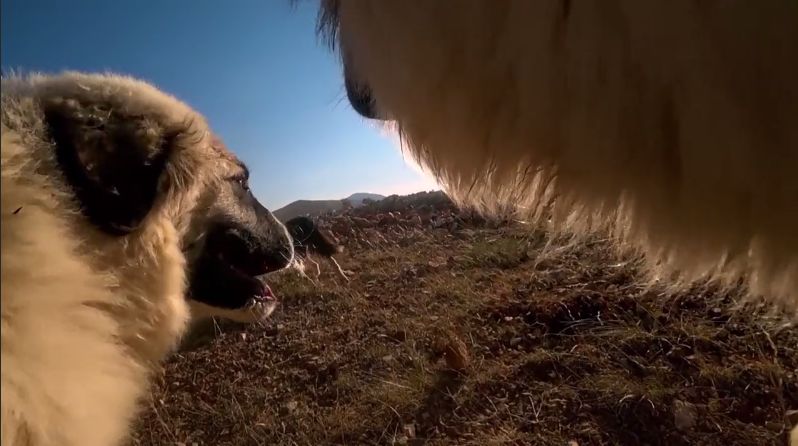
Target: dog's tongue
267, 293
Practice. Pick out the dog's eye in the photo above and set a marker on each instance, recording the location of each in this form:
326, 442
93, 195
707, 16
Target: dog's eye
242, 181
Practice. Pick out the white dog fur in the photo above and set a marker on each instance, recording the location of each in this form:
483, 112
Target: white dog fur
672, 123
87, 316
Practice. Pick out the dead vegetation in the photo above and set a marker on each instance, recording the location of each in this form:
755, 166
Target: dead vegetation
477, 335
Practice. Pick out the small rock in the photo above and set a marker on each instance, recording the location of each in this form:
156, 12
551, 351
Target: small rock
243, 336
456, 354
684, 415
573, 443
291, 406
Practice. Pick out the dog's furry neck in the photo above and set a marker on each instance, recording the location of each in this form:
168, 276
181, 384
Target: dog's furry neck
86, 316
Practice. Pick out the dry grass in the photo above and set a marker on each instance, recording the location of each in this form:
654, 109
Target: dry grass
563, 344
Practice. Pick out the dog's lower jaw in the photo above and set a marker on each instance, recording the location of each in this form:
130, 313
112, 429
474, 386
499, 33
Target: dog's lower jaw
255, 312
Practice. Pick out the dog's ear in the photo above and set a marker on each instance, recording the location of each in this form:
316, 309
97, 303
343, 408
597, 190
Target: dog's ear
112, 161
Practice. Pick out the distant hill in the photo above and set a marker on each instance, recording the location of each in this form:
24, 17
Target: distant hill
357, 198
307, 207
318, 207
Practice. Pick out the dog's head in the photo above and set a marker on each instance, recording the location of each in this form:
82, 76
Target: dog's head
358, 89
145, 169
235, 243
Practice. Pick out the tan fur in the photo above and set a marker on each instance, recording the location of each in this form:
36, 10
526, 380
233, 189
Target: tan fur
87, 316
672, 123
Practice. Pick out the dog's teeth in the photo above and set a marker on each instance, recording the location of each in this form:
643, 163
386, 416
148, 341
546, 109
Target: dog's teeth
260, 298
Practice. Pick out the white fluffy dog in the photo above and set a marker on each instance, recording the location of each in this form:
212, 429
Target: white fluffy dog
672, 123
117, 203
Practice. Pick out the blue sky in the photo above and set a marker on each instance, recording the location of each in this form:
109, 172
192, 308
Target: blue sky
254, 68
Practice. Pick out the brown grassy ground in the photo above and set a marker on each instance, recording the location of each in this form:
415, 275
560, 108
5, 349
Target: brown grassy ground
563, 344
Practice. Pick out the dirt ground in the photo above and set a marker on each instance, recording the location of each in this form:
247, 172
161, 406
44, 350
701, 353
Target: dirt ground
482, 336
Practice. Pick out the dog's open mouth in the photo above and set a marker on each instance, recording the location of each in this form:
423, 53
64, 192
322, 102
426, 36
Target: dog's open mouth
259, 307
262, 299
228, 273
262, 294
224, 285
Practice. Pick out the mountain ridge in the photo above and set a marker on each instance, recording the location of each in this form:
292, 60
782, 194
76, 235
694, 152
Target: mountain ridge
314, 208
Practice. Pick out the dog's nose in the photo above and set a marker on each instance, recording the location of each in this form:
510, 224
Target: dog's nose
361, 100
360, 96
